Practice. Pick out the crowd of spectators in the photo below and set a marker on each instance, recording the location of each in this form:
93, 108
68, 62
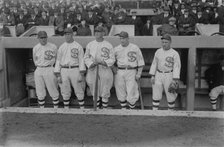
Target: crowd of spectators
175, 17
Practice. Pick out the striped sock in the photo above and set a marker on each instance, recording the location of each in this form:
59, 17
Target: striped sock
41, 103
171, 105
81, 103
55, 102
66, 103
155, 104
123, 104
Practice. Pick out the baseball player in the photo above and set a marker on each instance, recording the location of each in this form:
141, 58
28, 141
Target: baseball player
70, 69
44, 56
100, 53
215, 78
130, 63
165, 69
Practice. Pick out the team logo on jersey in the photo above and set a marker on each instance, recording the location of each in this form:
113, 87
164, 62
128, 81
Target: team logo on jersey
132, 56
49, 55
105, 53
169, 61
74, 53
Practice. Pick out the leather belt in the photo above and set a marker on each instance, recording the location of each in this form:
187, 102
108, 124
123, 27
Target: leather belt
127, 68
69, 66
45, 66
164, 71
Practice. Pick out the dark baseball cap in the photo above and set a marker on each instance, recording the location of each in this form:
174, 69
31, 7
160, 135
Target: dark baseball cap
68, 31
123, 34
99, 29
42, 34
166, 37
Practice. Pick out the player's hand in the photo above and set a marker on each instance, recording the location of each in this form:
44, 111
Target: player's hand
137, 77
59, 79
80, 78
153, 80
93, 65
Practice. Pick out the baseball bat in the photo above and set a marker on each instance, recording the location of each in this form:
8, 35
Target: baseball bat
96, 89
140, 95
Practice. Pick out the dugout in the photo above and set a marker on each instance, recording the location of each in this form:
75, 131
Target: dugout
15, 52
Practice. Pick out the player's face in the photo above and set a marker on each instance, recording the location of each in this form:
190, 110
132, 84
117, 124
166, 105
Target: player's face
68, 37
166, 44
99, 35
124, 41
43, 40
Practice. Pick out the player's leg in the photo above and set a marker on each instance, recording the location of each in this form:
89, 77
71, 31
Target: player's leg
90, 80
105, 85
157, 91
215, 92
132, 88
65, 87
52, 85
120, 87
79, 87
171, 97
40, 87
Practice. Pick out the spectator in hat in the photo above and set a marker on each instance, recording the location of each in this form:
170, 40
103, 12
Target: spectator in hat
78, 18
101, 23
168, 28
119, 16
147, 28
107, 17
201, 19
32, 21
69, 19
44, 19
58, 22
186, 23
4, 31
83, 29
136, 21
164, 17
7, 18
91, 18
21, 23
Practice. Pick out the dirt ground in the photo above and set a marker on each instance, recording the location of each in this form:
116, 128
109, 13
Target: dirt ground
65, 130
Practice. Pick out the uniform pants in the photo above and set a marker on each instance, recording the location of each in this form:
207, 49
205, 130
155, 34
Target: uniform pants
45, 78
126, 86
105, 82
162, 82
70, 78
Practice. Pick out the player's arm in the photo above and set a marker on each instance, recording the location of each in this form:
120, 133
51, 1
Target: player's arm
35, 58
154, 65
88, 59
111, 59
82, 67
141, 64
176, 67
57, 68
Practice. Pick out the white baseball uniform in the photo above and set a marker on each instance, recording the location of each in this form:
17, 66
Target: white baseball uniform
166, 66
97, 52
69, 64
44, 58
128, 60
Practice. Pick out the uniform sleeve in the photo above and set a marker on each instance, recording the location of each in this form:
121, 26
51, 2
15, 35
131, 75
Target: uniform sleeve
57, 68
34, 56
110, 61
82, 66
176, 66
154, 65
88, 59
140, 58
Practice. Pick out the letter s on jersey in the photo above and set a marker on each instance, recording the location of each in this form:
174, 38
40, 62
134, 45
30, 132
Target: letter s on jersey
132, 56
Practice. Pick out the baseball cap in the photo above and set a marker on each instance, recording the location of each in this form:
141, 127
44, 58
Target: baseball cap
172, 19
166, 37
99, 29
42, 34
123, 34
68, 30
